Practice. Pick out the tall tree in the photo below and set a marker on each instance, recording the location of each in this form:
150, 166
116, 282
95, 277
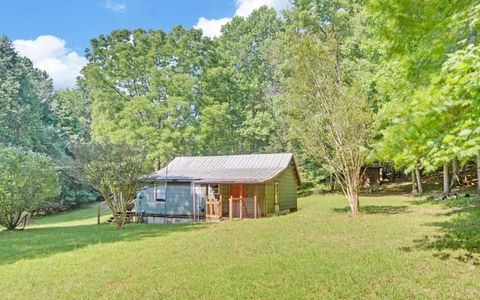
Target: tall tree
24, 94
328, 61
330, 118
244, 49
33, 118
145, 88
418, 51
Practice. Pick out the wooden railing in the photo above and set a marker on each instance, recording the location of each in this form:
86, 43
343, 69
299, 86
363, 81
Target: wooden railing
213, 210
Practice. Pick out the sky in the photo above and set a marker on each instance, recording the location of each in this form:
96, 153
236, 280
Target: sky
54, 33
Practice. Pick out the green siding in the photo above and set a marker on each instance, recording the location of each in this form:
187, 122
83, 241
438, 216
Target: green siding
287, 189
269, 190
225, 196
179, 200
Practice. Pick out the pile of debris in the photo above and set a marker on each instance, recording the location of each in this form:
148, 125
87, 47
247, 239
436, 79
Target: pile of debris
448, 196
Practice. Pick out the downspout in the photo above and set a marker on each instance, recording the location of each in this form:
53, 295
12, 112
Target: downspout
194, 201
166, 196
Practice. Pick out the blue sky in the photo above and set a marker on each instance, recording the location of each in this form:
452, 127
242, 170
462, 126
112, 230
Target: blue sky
54, 33
79, 21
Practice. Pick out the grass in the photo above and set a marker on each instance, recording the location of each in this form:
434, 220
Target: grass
398, 248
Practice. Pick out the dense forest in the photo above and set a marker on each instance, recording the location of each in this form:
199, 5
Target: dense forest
340, 83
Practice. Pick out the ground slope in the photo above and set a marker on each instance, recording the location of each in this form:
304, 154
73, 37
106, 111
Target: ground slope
399, 248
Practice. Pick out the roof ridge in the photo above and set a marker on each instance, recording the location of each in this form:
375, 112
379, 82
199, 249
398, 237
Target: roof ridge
231, 155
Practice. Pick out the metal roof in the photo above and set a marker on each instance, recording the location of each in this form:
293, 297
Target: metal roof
251, 168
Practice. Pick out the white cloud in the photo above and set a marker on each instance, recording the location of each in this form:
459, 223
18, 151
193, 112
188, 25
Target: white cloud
245, 7
48, 53
211, 27
116, 6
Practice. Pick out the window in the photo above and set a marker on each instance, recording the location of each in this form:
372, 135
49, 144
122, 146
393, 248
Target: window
160, 192
213, 192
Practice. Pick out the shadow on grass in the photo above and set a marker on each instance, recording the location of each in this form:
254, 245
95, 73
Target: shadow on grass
43, 242
376, 209
459, 237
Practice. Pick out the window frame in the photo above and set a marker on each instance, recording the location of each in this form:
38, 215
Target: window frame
157, 192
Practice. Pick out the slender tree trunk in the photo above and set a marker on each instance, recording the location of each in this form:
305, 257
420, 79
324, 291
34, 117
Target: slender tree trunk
478, 173
419, 180
414, 183
446, 182
354, 201
332, 183
455, 180
352, 193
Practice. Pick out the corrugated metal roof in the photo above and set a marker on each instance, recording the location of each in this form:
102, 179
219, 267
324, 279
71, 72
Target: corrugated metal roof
249, 168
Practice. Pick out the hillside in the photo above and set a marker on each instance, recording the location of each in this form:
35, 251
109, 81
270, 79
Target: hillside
387, 252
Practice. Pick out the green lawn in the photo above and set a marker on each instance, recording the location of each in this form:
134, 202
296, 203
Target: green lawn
399, 248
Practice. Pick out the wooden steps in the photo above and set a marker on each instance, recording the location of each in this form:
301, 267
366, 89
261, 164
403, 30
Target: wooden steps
131, 217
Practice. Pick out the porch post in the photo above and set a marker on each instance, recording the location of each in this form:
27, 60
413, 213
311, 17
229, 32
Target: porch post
220, 203
230, 203
241, 206
255, 202
265, 210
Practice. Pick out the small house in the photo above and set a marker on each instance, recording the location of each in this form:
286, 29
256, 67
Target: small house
212, 188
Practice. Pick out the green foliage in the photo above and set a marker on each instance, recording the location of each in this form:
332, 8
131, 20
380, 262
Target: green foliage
145, 88
72, 111
34, 118
27, 181
329, 110
178, 93
429, 81
116, 170
458, 102
112, 168
24, 92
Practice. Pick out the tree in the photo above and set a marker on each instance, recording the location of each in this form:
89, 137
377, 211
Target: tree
24, 94
72, 111
244, 54
420, 41
27, 180
33, 117
327, 57
116, 170
330, 118
145, 89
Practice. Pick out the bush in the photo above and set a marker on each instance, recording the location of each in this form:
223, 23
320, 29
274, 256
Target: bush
27, 181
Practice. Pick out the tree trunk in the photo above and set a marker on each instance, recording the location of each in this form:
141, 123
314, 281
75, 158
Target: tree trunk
455, 180
332, 183
414, 183
446, 182
478, 173
354, 201
419, 180
352, 193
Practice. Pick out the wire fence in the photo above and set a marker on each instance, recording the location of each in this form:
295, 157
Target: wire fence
247, 207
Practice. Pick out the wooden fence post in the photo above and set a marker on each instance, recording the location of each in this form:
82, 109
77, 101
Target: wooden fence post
241, 207
255, 203
98, 214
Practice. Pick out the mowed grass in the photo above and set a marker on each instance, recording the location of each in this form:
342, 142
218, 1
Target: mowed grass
396, 249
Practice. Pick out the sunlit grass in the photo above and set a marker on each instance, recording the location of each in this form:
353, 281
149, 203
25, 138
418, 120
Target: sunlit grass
317, 252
